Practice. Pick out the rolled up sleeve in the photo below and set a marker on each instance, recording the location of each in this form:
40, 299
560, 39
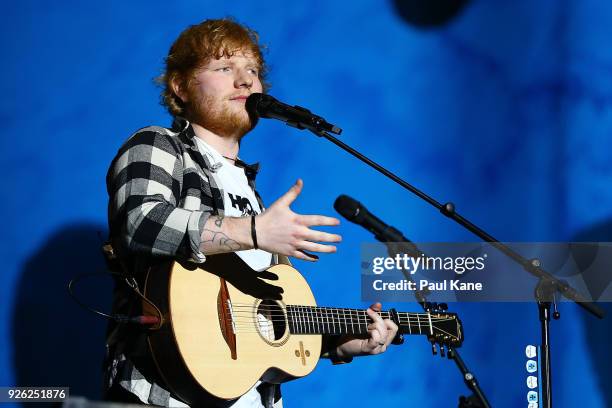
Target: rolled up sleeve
144, 185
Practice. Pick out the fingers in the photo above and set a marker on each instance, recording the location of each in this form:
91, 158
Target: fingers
391, 330
303, 255
282, 231
322, 220
307, 234
378, 329
381, 331
290, 196
314, 247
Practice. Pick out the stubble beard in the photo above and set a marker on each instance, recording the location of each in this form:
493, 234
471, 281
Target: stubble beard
220, 119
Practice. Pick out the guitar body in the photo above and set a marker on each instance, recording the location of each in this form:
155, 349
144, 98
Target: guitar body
216, 340
222, 327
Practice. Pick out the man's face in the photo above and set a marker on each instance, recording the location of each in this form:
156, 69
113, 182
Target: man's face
218, 92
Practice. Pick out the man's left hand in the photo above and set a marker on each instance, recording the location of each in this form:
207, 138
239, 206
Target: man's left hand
381, 333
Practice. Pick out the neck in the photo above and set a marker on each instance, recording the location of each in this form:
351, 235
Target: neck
327, 320
227, 146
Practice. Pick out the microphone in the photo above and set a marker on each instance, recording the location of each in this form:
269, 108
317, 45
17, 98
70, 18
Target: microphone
266, 106
354, 211
395, 242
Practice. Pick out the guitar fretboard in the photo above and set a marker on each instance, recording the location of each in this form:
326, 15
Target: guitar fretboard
331, 320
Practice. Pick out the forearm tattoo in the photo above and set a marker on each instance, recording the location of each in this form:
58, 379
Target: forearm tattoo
219, 221
215, 241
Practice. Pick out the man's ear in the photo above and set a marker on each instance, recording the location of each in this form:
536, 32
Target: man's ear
177, 87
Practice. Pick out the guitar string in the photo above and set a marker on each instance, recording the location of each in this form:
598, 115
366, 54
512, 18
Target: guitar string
319, 322
250, 330
252, 305
305, 316
282, 316
332, 328
242, 319
253, 329
323, 318
337, 312
325, 327
249, 322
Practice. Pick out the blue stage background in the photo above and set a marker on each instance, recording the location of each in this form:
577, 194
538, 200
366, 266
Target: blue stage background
506, 111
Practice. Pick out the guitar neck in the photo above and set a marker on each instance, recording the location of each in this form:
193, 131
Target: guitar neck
333, 320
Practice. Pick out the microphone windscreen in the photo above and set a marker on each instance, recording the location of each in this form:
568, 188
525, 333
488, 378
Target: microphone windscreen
252, 103
347, 207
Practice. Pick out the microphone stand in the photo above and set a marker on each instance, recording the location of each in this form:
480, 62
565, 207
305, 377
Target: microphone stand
408, 247
547, 287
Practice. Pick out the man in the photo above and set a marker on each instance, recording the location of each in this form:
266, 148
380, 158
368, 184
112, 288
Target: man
184, 193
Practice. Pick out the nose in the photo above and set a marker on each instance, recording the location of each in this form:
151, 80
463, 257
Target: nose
243, 79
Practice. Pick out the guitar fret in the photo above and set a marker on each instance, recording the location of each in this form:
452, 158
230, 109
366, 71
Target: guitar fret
301, 314
290, 320
409, 325
365, 321
301, 319
322, 314
313, 320
337, 329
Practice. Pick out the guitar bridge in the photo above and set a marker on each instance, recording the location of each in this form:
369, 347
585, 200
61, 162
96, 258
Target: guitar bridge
226, 319
231, 311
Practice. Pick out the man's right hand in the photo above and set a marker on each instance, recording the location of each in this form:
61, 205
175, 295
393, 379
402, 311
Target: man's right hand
280, 230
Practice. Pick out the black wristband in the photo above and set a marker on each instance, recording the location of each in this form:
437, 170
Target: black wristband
254, 232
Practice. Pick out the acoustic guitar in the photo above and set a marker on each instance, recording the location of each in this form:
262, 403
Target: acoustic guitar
224, 328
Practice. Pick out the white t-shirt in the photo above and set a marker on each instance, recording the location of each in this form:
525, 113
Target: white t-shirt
238, 199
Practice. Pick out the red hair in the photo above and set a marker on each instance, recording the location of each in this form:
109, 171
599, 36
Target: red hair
196, 46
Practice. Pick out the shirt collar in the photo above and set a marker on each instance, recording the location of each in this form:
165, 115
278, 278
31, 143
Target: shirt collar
183, 126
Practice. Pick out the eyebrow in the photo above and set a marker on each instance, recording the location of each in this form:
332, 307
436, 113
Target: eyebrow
223, 61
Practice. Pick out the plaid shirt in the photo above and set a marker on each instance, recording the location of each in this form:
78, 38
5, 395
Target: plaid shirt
161, 192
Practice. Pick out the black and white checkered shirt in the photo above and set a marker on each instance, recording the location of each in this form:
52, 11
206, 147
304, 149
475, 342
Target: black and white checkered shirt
161, 192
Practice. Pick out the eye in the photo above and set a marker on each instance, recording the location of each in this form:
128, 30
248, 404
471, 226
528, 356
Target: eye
254, 71
224, 69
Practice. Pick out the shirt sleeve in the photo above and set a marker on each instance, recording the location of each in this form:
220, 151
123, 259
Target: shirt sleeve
144, 184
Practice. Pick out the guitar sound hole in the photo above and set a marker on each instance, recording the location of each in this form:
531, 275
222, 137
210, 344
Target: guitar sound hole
271, 321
